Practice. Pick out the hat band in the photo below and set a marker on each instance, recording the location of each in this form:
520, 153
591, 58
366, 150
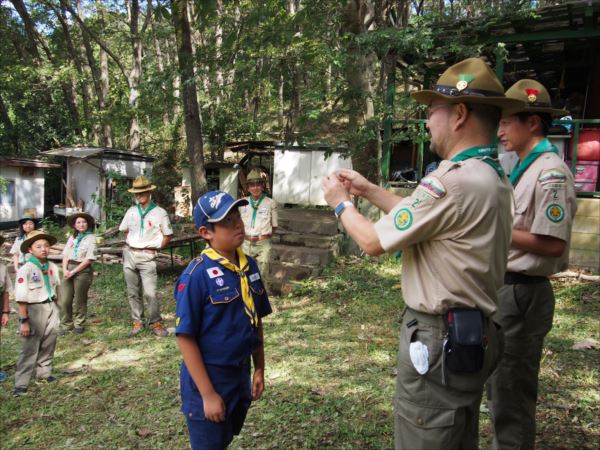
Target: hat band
454, 92
142, 187
538, 105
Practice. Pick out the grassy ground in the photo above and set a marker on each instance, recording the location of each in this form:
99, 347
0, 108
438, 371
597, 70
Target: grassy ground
330, 350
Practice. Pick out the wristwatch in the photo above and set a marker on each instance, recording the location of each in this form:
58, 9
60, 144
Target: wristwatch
22, 319
339, 209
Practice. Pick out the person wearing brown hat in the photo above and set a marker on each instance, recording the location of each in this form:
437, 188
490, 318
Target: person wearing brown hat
148, 229
78, 255
260, 221
35, 294
545, 207
27, 224
454, 232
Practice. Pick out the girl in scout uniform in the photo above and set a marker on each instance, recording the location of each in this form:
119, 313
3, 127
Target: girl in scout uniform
26, 225
78, 256
5, 288
220, 302
35, 293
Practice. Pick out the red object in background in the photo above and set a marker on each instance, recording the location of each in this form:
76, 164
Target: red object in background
589, 145
586, 175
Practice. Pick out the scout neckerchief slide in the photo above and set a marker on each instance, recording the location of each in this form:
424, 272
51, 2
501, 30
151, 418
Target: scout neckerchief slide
44, 270
255, 208
144, 213
80, 237
487, 154
241, 271
544, 146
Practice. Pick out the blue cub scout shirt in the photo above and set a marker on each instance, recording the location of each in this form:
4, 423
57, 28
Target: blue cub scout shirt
211, 309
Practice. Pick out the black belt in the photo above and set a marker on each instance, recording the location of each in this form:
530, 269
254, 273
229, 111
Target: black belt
48, 300
521, 278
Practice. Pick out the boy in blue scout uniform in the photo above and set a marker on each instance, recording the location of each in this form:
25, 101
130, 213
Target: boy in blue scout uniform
220, 302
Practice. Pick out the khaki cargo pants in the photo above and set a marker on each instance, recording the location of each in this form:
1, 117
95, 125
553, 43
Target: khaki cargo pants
37, 351
261, 252
525, 312
140, 273
74, 298
428, 414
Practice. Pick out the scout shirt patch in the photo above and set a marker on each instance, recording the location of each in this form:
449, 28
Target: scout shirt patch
429, 189
552, 176
254, 277
177, 320
220, 282
214, 272
555, 213
20, 280
181, 287
35, 277
403, 219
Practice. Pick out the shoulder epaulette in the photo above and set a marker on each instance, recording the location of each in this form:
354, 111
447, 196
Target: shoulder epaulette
197, 262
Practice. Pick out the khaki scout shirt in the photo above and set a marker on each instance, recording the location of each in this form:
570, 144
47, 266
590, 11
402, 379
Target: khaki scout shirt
5, 283
266, 217
156, 226
455, 232
16, 249
30, 287
86, 249
545, 204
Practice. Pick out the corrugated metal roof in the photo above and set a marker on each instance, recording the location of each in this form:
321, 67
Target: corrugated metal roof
83, 152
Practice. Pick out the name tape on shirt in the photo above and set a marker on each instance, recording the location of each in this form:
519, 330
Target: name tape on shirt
432, 187
254, 277
214, 272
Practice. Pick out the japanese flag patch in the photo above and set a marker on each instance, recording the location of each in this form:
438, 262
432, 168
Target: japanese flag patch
214, 272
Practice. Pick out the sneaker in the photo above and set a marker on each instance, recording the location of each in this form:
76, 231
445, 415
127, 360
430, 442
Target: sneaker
46, 380
19, 391
78, 330
137, 328
159, 330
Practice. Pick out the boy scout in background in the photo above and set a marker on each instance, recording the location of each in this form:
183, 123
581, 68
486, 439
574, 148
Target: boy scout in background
35, 293
260, 221
545, 208
454, 231
5, 288
148, 229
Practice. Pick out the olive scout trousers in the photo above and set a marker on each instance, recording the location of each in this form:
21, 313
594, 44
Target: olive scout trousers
140, 273
525, 312
74, 298
261, 252
431, 415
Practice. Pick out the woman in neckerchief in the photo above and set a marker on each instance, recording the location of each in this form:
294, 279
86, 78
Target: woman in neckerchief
27, 224
78, 256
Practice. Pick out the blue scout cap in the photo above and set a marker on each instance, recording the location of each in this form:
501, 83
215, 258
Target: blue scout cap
213, 206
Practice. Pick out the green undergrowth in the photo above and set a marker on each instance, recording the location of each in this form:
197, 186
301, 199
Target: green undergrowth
330, 349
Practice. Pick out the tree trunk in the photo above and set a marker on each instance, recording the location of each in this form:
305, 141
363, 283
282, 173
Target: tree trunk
104, 84
192, 118
135, 75
8, 125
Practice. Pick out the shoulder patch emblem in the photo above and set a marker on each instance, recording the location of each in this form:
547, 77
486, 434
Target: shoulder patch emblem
254, 277
403, 219
214, 272
555, 213
552, 176
177, 321
432, 186
181, 287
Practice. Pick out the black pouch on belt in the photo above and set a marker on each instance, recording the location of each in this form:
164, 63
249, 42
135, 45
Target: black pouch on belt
466, 341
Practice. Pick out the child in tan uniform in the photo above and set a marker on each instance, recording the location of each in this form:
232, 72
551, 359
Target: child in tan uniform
5, 288
35, 293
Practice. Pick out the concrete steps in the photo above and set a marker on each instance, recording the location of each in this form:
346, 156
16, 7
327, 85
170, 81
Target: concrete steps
305, 242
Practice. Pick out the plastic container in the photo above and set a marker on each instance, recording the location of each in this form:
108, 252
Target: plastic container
586, 171
589, 145
585, 186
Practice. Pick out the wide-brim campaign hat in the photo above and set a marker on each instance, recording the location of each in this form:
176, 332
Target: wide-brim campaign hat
534, 98
36, 235
469, 81
141, 184
27, 217
213, 206
254, 176
73, 217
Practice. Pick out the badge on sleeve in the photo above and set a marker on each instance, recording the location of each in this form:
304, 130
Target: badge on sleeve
552, 176
555, 213
177, 321
403, 219
214, 272
255, 276
432, 186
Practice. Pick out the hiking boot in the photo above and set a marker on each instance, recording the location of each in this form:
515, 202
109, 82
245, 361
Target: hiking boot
19, 391
46, 380
137, 328
78, 330
159, 330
